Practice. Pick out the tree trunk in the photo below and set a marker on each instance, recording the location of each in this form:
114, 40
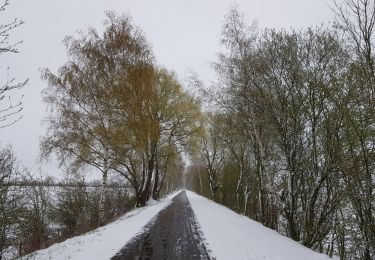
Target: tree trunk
291, 209
246, 195
200, 180
260, 158
102, 201
146, 192
239, 182
155, 189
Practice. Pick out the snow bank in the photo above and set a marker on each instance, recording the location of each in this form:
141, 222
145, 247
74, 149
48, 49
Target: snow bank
104, 242
232, 236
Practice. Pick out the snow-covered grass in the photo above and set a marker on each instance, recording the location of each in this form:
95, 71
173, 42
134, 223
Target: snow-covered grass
232, 236
104, 242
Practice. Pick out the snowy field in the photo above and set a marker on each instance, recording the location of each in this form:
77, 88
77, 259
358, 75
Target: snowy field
104, 242
232, 236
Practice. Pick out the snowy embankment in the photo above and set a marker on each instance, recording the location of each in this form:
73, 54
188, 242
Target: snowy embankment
229, 235
106, 241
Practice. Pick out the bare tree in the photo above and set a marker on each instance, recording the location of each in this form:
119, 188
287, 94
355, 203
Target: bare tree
9, 110
213, 152
356, 19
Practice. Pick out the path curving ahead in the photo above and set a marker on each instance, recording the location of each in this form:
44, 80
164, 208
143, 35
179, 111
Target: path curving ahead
172, 234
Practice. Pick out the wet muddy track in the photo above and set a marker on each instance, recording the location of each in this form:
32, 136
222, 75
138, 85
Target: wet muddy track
172, 234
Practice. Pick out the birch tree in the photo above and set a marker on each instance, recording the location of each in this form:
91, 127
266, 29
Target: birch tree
214, 154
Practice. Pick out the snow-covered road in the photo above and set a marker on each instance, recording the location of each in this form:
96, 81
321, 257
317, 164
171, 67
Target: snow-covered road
172, 234
225, 234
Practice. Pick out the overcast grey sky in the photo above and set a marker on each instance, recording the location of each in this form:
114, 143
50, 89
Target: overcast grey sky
184, 35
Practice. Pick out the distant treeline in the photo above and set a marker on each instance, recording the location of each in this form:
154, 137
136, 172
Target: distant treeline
93, 184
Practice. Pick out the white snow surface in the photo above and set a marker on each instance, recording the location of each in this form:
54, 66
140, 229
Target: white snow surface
106, 241
229, 235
